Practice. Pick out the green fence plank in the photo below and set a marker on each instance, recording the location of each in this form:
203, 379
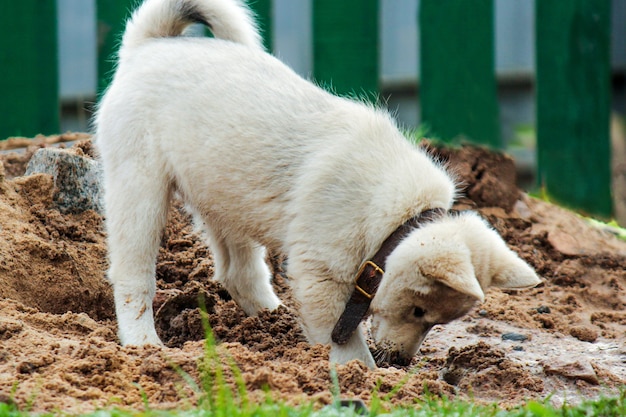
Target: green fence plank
457, 75
345, 46
112, 17
263, 11
29, 103
573, 102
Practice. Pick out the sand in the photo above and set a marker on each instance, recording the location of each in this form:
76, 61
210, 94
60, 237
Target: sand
59, 350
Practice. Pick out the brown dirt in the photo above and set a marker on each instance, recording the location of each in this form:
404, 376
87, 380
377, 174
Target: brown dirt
58, 348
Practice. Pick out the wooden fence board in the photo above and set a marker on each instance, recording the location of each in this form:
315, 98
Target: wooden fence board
573, 102
345, 46
457, 76
28, 55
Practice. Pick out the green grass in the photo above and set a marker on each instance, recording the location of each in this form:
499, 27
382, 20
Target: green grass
435, 407
217, 398
611, 226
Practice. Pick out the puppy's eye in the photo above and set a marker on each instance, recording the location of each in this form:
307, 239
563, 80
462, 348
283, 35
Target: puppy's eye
418, 312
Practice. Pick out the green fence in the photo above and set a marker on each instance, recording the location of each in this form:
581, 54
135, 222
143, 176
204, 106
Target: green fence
573, 101
457, 87
29, 76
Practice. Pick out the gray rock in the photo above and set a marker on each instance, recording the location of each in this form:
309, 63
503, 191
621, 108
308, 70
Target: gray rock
516, 337
543, 310
76, 177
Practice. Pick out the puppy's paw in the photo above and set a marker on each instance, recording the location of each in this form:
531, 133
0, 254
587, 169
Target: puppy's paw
140, 340
252, 306
137, 331
341, 354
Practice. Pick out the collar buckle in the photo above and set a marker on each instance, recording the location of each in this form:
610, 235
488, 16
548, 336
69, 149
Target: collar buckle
375, 270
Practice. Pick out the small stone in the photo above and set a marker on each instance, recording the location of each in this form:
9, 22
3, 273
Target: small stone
357, 404
522, 209
518, 348
516, 337
26, 367
583, 333
6, 398
543, 310
580, 369
482, 312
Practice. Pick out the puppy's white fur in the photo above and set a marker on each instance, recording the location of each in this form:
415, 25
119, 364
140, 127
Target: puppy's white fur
264, 158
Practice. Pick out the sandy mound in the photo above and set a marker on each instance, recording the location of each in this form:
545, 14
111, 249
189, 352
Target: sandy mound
59, 350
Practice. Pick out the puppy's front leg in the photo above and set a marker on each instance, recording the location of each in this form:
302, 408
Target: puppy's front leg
356, 348
322, 302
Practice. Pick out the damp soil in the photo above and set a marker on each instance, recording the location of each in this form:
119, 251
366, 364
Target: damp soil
565, 339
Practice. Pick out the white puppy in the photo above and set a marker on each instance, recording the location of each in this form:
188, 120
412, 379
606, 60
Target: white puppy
264, 158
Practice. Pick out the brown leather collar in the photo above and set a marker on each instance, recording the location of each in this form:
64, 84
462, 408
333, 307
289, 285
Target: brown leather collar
371, 273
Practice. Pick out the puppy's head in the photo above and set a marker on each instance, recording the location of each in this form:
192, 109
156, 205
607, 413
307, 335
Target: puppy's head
436, 275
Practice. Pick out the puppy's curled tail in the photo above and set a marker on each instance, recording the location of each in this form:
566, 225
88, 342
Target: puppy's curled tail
228, 19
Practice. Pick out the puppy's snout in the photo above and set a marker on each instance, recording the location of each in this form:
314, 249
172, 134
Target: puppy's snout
392, 358
400, 348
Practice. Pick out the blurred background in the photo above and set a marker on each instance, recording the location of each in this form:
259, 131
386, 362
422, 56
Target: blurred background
453, 69
399, 57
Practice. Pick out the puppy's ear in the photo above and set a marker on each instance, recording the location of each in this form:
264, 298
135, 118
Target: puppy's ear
509, 271
496, 264
454, 269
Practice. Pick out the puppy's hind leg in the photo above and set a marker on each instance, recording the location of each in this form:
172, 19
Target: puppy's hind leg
241, 268
136, 212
